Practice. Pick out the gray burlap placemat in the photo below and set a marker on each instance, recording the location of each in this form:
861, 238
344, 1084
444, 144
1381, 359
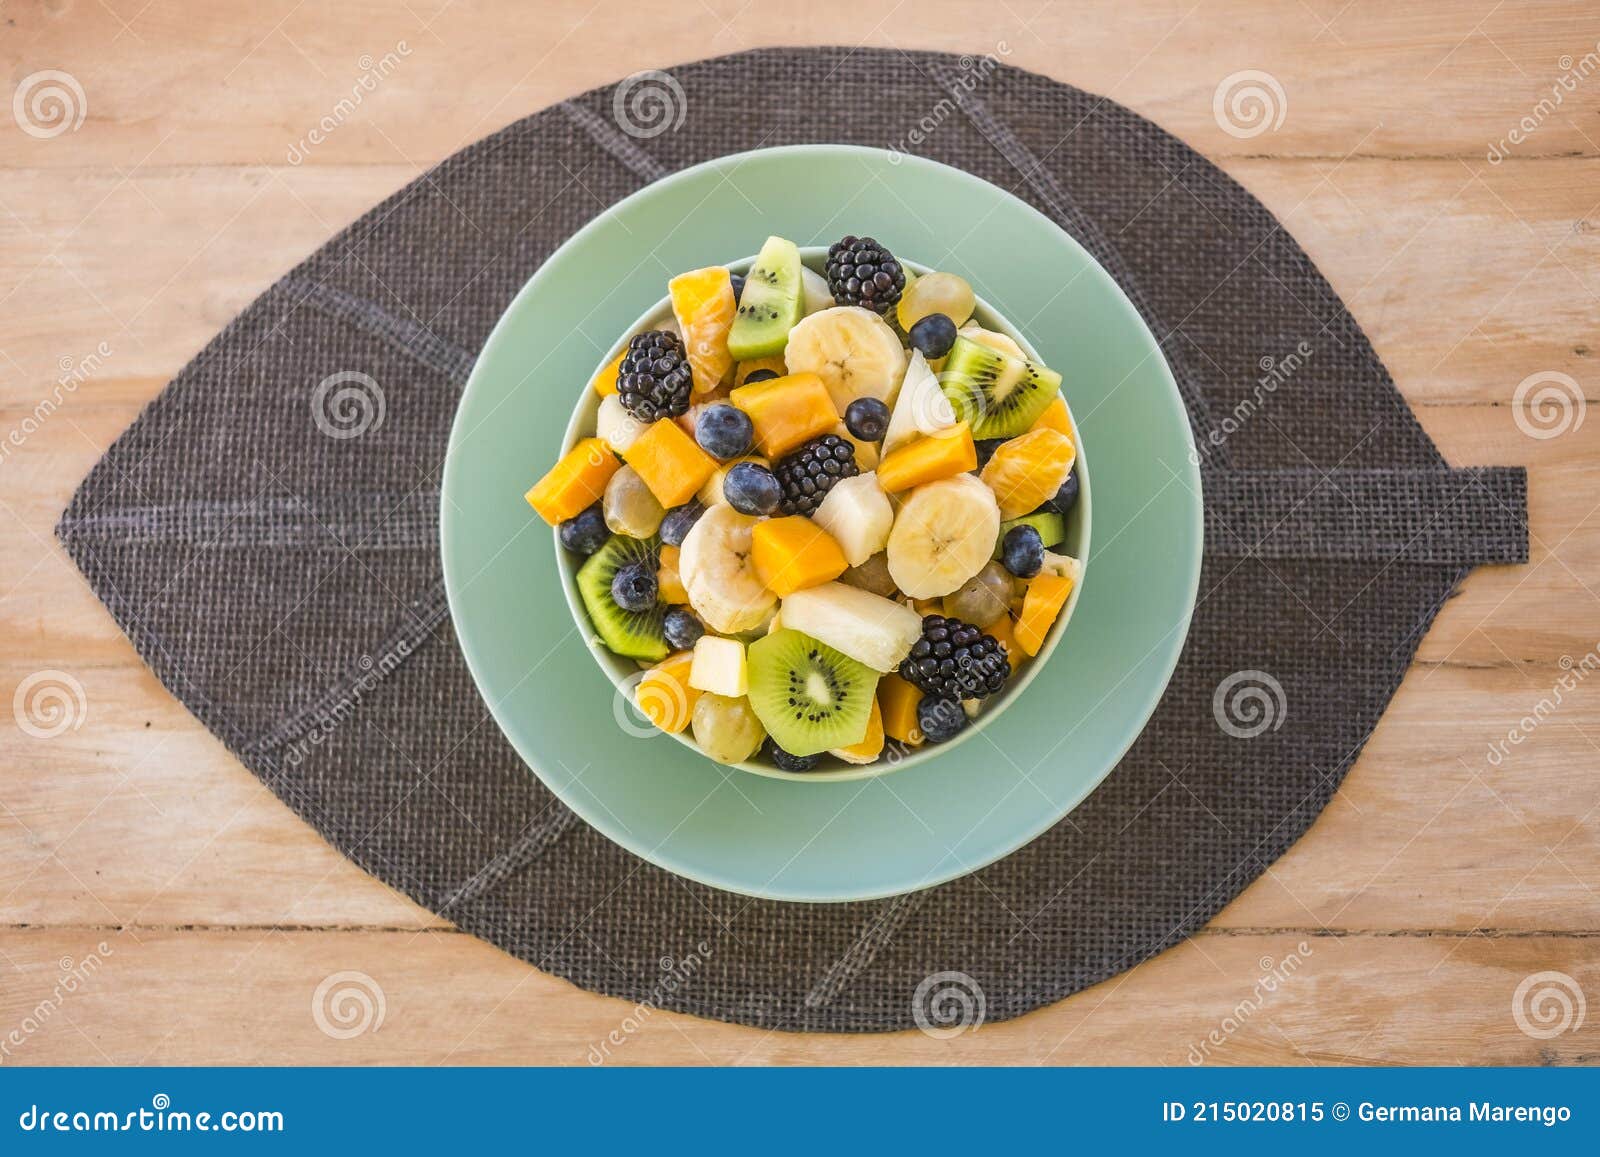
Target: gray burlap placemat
256, 562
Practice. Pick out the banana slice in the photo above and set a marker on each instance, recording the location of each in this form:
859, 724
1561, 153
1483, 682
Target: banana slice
852, 350
943, 535
995, 341
715, 568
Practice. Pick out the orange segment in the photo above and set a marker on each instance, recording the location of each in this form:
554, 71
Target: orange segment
745, 369
672, 590
942, 455
1027, 470
898, 700
1047, 594
605, 381
670, 463
575, 483
791, 554
704, 305
787, 411
1054, 417
663, 694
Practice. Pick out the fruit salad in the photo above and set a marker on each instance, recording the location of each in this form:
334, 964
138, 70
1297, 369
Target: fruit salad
819, 509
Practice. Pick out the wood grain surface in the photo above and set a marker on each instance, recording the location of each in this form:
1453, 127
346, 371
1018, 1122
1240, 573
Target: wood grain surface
1437, 882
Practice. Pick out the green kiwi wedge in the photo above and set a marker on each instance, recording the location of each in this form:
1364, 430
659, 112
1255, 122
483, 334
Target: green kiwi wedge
998, 395
808, 696
632, 634
771, 305
1052, 529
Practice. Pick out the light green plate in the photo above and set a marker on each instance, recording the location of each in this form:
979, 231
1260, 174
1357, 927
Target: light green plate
835, 841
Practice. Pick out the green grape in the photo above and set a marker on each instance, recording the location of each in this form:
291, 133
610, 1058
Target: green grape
726, 729
629, 507
936, 293
983, 599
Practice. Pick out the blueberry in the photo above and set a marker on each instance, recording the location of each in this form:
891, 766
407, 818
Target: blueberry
940, 719
933, 335
682, 629
585, 533
786, 762
986, 448
634, 587
1022, 551
724, 431
867, 419
760, 376
1065, 498
680, 520
738, 285
751, 488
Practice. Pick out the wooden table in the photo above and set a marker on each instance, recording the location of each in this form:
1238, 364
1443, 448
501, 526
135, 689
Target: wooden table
1429, 890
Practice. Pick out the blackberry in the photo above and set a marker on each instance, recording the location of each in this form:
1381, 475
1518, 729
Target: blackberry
955, 660
809, 473
654, 381
862, 272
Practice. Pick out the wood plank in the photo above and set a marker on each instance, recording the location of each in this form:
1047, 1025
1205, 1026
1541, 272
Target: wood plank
1444, 822
206, 997
242, 81
1548, 611
118, 823
1467, 278
139, 815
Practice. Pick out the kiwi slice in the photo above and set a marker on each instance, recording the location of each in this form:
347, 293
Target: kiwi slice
631, 634
808, 696
1052, 529
771, 304
998, 395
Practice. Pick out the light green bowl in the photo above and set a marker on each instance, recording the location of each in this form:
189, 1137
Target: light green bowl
624, 673
965, 804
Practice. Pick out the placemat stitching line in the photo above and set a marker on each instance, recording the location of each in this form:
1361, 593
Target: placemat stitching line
236, 524
341, 698
608, 138
519, 855
410, 338
877, 932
